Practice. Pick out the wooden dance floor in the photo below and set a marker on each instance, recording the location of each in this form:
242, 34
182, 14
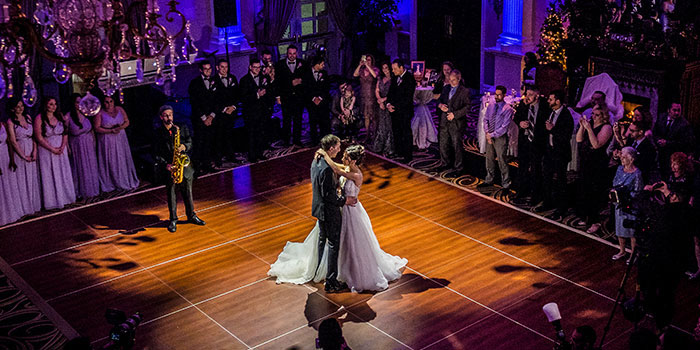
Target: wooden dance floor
478, 271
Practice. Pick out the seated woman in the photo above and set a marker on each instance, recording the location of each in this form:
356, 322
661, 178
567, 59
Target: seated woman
349, 110
681, 178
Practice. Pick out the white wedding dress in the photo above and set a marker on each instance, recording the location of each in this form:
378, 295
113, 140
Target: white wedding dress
362, 264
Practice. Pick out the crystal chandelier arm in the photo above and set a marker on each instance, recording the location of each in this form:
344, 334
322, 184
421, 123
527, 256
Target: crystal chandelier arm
152, 19
168, 17
21, 27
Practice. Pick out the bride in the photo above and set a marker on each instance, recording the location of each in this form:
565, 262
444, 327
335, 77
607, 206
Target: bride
362, 264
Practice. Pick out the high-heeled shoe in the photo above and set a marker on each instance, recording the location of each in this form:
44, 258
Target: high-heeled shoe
593, 229
618, 256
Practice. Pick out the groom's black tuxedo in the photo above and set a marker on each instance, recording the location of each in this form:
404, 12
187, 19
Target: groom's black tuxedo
325, 206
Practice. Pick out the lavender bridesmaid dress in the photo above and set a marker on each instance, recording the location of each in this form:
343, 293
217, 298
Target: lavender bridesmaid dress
10, 209
114, 161
83, 158
27, 175
56, 176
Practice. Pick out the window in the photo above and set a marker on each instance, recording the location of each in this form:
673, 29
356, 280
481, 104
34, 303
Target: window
311, 17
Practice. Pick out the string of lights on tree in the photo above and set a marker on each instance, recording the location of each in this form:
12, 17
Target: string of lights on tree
552, 36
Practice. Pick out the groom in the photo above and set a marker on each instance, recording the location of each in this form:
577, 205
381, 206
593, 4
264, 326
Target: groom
325, 206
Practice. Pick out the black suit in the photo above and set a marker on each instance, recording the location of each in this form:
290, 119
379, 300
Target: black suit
317, 85
647, 159
325, 206
292, 98
203, 102
679, 138
532, 143
163, 155
452, 131
255, 111
226, 94
401, 97
557, 158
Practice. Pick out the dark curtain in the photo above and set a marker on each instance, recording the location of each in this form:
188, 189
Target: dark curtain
276, 15
338, 12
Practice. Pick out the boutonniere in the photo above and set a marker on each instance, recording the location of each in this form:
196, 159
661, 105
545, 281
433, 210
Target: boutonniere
263, 82
298, 64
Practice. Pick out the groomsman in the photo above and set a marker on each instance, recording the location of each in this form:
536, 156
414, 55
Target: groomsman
255, 100
530, 118
453, 106
317, 88
226, 96
288, 73
400, 106
559, 126
203, 101
163, 154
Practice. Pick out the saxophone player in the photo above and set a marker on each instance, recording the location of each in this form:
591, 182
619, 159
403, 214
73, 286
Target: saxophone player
164, 154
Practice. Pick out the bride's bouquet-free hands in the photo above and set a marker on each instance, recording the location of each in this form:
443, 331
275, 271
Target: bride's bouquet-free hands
347, 118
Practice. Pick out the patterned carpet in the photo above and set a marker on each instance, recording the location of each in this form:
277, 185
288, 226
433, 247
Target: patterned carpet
22, 325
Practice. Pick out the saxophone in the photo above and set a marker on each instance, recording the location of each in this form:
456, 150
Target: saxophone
180, 160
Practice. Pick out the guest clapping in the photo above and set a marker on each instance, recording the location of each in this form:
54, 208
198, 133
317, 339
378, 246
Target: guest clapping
593, 138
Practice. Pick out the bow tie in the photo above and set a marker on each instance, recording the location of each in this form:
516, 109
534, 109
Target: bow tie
291, 63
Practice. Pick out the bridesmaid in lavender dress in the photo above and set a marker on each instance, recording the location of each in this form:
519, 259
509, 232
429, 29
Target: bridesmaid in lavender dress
83, 156
9, 191
54, 167
20, 137
114, 162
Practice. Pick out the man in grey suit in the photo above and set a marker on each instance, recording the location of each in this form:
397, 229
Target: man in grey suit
325, 206
454, 104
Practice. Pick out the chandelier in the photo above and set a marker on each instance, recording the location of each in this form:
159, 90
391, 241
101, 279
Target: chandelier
89, 38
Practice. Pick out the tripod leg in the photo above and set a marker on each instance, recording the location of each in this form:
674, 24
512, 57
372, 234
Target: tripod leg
620, 295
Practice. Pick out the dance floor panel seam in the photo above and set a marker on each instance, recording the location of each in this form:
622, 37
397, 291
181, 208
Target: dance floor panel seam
469, 259
503, 252
150, 267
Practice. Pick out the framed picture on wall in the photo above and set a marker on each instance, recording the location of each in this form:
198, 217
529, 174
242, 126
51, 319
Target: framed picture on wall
418, 67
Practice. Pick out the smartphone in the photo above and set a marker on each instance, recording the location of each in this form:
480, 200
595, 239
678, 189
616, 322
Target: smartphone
364, 58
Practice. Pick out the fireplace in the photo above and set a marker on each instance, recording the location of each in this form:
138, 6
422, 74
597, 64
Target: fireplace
630, 102
639, 86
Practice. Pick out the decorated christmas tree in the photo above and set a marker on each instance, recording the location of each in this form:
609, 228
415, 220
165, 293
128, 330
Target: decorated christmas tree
552, 35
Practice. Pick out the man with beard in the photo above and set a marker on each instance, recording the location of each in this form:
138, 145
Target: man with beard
163, 152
